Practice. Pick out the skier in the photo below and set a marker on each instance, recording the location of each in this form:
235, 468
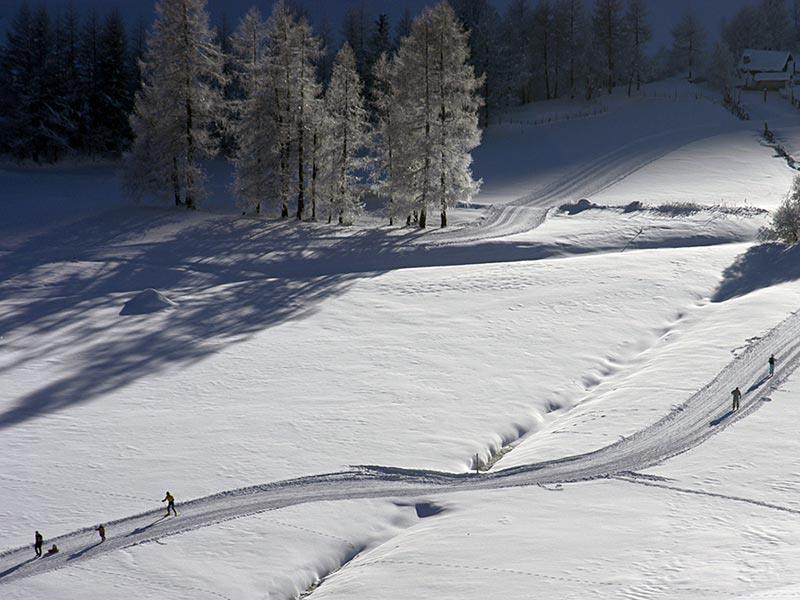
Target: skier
170, 504
737, 395
771, 365
102, 531
52, 550
37, 546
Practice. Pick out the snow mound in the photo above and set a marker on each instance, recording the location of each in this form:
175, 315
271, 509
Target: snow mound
146, 302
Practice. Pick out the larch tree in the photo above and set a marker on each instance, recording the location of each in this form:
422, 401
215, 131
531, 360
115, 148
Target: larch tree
689, 39
179, 101
608, 32
570, 13
347, 137
437, 95
385, 136
638, 34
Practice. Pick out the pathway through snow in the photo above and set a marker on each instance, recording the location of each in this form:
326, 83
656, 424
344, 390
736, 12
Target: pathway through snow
701, 416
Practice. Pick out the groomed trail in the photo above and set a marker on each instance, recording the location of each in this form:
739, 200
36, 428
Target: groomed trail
704, 414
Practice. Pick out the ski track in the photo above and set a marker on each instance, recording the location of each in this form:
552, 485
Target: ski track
687, 425
530, 211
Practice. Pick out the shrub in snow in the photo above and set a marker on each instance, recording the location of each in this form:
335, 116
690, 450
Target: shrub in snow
786, 219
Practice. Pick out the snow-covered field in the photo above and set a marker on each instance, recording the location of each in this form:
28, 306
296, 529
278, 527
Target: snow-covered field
581, 359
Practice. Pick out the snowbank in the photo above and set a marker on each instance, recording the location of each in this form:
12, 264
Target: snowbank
146, 302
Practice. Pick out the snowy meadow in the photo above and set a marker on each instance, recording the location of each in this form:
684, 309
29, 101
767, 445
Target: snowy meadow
383, 342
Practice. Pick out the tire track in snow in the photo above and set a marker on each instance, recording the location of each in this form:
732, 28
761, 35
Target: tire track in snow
704, 414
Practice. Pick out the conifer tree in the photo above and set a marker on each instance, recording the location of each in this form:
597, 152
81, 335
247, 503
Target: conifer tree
437, 95
347, 137
177, 105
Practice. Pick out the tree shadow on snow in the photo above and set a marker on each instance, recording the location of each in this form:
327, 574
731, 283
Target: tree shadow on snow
61, 292
760, 267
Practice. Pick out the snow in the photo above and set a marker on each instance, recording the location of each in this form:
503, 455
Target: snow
526, 334
145, 302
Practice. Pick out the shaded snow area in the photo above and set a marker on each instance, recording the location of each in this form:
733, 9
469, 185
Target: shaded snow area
533, 403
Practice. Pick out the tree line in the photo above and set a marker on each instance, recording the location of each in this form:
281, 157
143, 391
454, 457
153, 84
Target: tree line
67, 85
300, 147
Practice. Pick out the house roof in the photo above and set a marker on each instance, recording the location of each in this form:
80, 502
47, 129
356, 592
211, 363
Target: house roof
772, 76
757, 61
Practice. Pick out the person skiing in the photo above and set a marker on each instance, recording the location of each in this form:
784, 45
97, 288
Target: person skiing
37, 545
771, 362
102, 531
170, 504
52, 550
737, 396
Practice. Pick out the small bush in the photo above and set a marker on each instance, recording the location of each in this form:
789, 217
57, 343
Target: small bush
785, 225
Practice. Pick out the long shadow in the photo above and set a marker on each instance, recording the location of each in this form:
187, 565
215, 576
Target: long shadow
232, 278
16, 567
144, 528
80, 553
760, 267
719, 420
758, 384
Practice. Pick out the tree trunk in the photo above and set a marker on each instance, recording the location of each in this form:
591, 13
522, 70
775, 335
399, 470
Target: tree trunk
301, 200
314, 177
423, 218
176, 186
444, 216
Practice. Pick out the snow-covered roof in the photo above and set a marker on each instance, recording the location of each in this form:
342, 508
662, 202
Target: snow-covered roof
772, 76
764, 60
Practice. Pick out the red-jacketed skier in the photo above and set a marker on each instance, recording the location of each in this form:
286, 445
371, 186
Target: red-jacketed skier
170, 504
737, 396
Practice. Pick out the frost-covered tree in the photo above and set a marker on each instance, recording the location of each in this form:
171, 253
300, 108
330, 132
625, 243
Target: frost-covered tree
248, 44
437, 95
177, 105
785, 224
776, 33
688, 43
278, 122
347, 138
607, 24
721, 67
385, 135
638, 34
307, 54
356, 33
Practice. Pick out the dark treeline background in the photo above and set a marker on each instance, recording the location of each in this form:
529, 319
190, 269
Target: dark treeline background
68, 80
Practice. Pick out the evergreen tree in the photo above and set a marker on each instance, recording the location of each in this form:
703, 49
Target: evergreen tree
489, 52
437, 97
776, 25
403, 28
113, 103
37, 124
638, 33
177, 105
571, 15
347, 137
355, 30
721, 67
688, 44
517, 30
383, 143
608, 32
